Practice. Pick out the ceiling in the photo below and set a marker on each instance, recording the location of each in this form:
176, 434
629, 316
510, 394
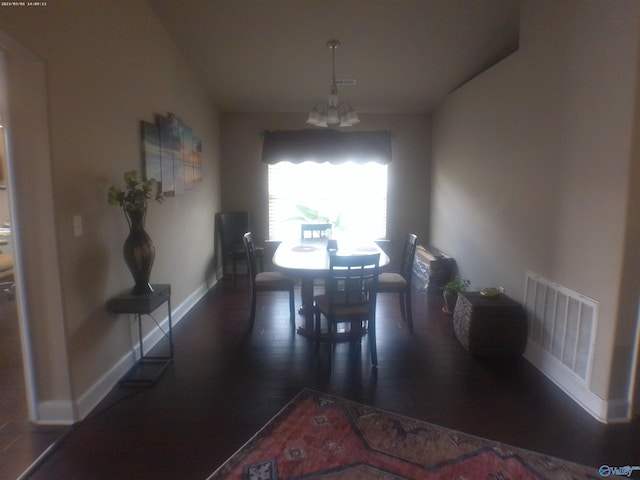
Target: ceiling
406, 55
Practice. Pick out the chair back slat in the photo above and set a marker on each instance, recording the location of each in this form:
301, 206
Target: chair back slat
352, 279
315, 230
251, 255
408, 256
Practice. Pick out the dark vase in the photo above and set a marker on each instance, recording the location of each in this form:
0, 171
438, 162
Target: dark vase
139, 252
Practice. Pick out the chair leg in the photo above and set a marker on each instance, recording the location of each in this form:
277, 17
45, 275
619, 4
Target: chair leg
224, 266
403, 310
318, 314
355, 332
409, 310
292, 308
372, 343
252, 317
235, 273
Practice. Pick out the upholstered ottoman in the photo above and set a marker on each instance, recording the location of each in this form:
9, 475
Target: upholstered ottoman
490, 326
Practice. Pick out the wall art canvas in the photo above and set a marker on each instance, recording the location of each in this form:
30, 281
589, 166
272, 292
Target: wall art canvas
177, 152
187, 156
197, 159
166, 156
151, 151
171, 154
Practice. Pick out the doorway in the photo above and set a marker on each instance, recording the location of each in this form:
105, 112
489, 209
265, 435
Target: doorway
47, 395
12, 321
14, 408
14, 401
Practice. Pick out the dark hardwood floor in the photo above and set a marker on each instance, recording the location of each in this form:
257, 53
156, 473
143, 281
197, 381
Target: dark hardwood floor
226, 382
19, 443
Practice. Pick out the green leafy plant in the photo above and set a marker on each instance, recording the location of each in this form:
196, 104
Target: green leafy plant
135, 195
456, 286
450, 293
308, 214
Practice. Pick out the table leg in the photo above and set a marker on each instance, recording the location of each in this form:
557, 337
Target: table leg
306, 292
140, 335
170, 328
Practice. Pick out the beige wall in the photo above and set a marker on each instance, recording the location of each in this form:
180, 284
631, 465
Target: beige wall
110, 65
532, 170
244, 176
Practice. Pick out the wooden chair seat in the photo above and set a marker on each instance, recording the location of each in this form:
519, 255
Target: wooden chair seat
391, 282
273, 281
6, 264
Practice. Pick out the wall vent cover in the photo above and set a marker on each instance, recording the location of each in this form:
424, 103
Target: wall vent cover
562, 323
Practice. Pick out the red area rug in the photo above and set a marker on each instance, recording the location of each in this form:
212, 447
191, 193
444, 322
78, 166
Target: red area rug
319, 436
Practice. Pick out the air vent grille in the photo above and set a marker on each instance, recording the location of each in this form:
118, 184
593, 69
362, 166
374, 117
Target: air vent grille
562, 323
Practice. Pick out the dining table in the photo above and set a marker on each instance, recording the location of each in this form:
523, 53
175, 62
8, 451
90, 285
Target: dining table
309, 260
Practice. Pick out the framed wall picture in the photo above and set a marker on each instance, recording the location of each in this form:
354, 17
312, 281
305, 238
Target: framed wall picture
152, 167
166, 155
171, 154
197, 159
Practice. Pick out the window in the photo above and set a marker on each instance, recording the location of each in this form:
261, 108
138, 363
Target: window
352, 196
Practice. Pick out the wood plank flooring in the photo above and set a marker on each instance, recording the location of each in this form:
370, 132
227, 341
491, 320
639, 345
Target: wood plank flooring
226, 382
20, 444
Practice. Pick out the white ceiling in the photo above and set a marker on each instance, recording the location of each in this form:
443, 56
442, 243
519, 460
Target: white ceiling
271, 55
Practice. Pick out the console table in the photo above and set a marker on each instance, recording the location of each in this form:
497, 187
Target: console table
148, 368
490, 326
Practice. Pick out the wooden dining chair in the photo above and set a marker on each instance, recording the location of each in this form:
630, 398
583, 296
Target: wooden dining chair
400, 282
231, 226
266, 281
315, 230
350, 297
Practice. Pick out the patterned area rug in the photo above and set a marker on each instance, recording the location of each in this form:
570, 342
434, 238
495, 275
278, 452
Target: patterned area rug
318, 436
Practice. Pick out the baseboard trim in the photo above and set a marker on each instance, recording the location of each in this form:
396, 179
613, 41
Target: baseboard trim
55, 412
94, 394
619, 411
68, 412
605, 411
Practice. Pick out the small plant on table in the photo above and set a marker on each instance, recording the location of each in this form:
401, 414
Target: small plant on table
450, 293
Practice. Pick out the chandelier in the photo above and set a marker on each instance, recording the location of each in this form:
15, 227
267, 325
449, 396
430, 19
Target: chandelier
333, 111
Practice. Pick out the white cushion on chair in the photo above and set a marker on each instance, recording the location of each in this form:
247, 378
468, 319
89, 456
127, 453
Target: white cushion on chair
273, 279
391, 282
6, 265
6, 262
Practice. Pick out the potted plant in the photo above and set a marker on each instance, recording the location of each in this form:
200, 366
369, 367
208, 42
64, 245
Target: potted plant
308, 214
138, 250
450, 293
